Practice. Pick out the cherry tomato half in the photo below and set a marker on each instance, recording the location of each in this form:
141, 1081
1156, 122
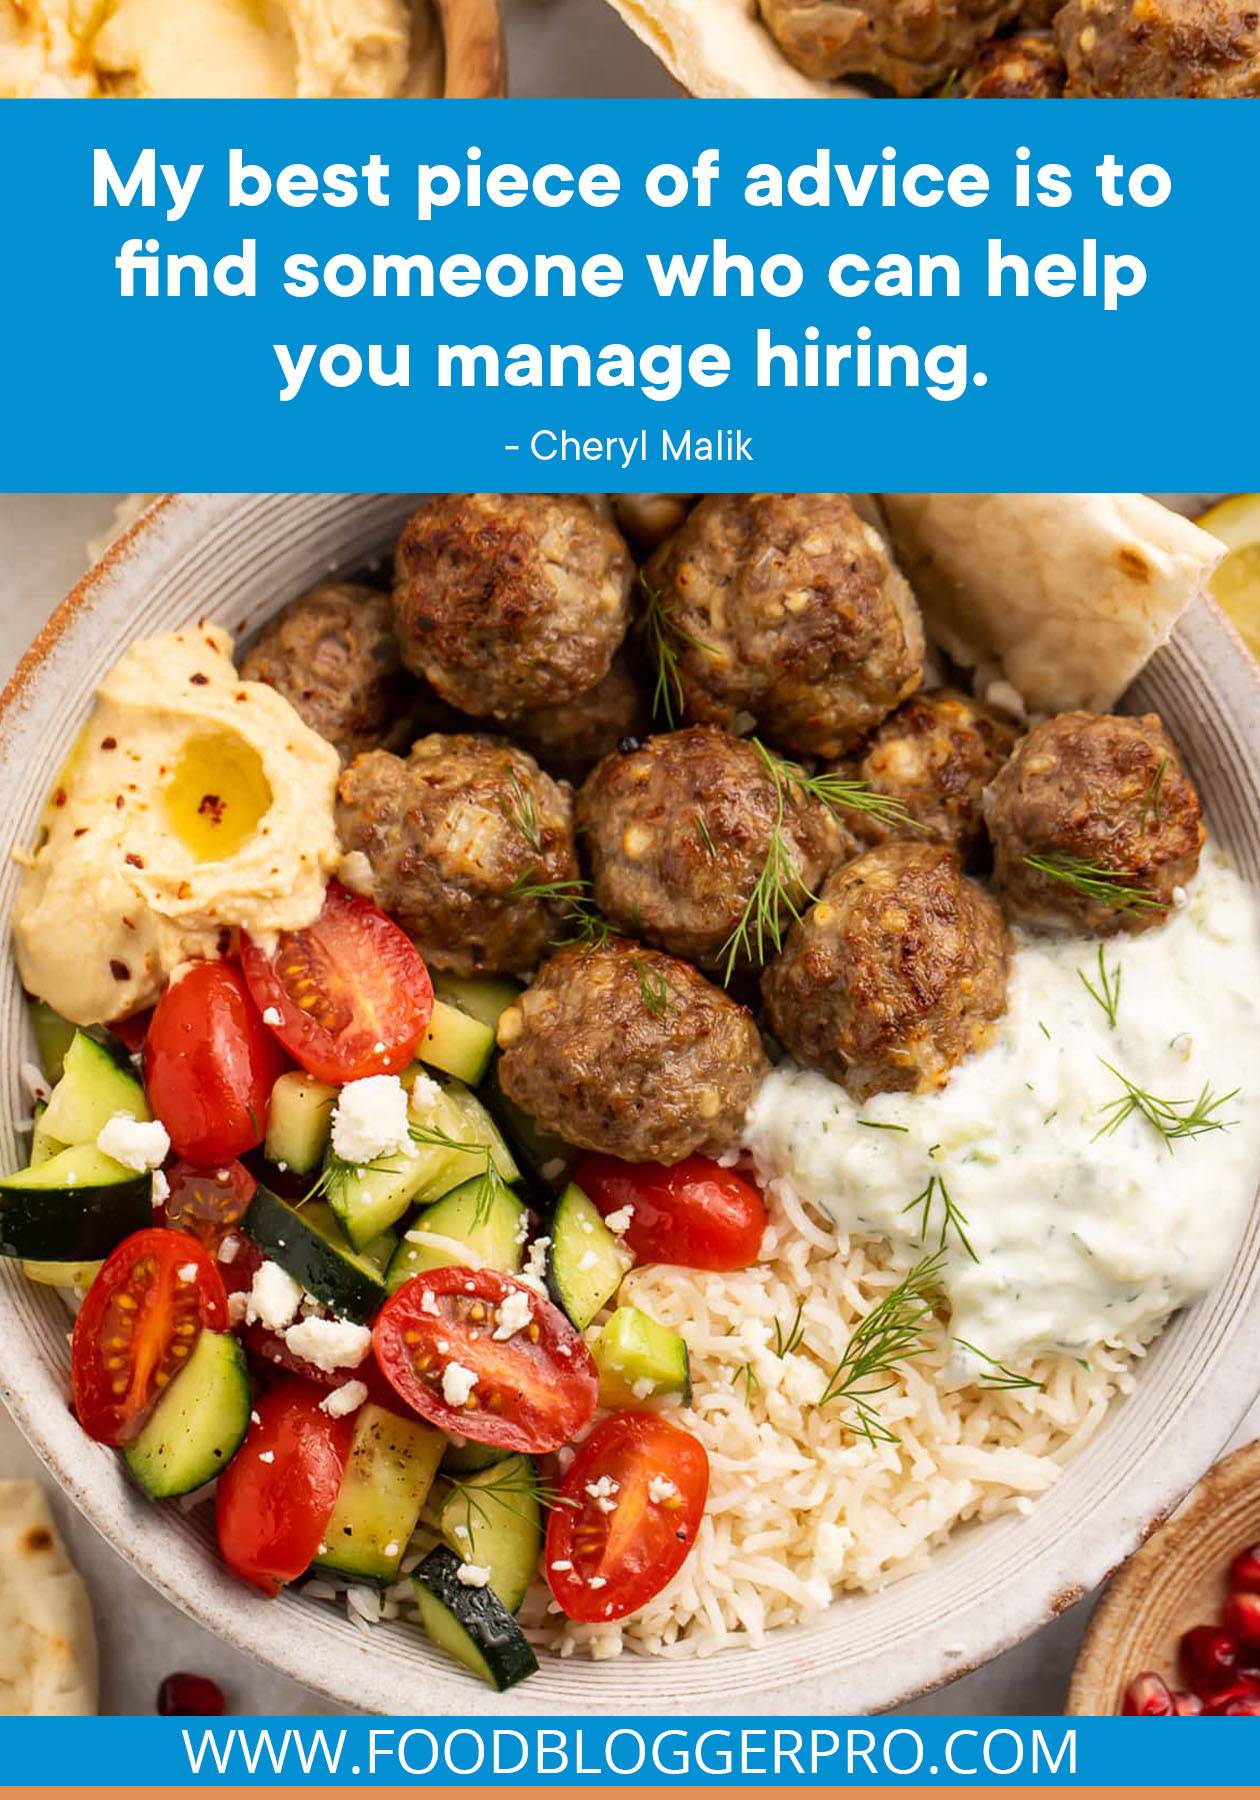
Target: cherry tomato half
210, 1064
696, 1214
138, 1326
277, 1494
352, 991
534, 1390
626, 1517
207, 1203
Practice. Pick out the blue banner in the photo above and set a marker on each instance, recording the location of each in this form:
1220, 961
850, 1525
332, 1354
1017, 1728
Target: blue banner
628, 295
561, 1752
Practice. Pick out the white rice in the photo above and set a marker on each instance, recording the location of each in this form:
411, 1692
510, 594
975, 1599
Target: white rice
800, 1509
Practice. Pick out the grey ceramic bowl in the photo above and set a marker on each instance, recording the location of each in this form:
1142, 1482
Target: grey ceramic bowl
235, 558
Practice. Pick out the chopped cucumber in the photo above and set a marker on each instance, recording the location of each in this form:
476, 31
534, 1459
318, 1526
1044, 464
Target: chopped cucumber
199, 1423
640, 1361
299, 1120
467, 1456
76, 1275
388, 1475
474, 1224
94, 1086
53, 1037
457, 1043
585, 1263
446, 1117
43, 1147
75, 1207
495, 1519
471, 1623
483, 997
310, 1245
547, 1158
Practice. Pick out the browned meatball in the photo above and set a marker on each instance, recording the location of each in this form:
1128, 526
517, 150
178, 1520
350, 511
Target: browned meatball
895, 975
1094, 798
911, 45
1036, 14
1028, 65
333, 655
679, 831
936, 755
452, 834
788, 609
507, 602
648, 519
570, 737
621, 1049
1189, 49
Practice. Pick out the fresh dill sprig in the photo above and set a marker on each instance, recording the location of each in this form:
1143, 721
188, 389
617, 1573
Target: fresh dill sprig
520, 812
997, 1375
487, 1177
1150, 799
892, 1332
1124, 893
1107, 992
881, 1125
1172, 1119
657, 991
838, 793
706, 837
511, 1492
664, 639
953, 1218
582, 921
789, 1341
745, 1374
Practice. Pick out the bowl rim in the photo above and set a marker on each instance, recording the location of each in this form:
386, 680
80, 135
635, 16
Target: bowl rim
263, 1629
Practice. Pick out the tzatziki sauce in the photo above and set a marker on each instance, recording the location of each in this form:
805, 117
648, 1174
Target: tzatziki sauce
1079, 1234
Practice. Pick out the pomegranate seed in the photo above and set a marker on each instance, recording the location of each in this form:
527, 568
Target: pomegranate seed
1209, 1659
1244, 1571
1147, 1697
191, 1696
1242, 1616
1186, 1705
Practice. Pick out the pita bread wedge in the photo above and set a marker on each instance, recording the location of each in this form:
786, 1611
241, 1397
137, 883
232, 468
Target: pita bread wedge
47, 1641
719, 49
1063, 596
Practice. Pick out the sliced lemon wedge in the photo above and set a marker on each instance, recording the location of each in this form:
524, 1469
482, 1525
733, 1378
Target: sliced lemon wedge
1236, 583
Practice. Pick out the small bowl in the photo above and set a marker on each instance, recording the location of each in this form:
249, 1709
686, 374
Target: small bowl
1179, 1578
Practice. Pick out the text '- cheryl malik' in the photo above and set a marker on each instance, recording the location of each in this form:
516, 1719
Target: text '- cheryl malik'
660, 278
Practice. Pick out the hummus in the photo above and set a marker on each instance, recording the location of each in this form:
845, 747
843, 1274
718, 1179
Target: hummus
194, 805
206, 49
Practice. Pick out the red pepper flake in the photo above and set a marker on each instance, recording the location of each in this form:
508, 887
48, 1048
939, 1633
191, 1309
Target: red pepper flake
119, 802
59, 798
183, 891
210, 806
109, 743
80, 831
199, 680
119, 970
136, 862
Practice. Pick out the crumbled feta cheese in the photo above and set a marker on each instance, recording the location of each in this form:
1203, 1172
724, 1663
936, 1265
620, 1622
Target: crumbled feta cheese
598, 1581
370, 1119
425, 1093
189, 1271
552, 1170
355, 872
428, 1303
587, 1260
33, 1081
661, 1488
378, 1048
560, 1565
135, 1143
515, 1314
472, 1575
602, 1492
329, 1343
535, 1269
237, 1304
642, 1387
161, 1188
272, 1016
267, 1456
274, 1298
345, 1399
255, 1418
457, 1384
229, 1249
619, 1221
